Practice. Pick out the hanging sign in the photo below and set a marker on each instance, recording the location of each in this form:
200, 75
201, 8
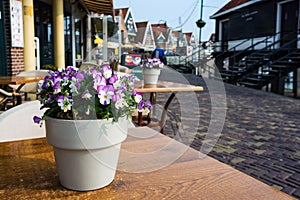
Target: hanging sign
16, 20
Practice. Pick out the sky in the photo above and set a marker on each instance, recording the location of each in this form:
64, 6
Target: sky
177, 13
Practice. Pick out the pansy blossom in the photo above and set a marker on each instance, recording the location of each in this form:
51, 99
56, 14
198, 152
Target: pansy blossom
73, 93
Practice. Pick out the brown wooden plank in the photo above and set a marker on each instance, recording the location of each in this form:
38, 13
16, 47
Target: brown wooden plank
164, 86
5, 80
27, 171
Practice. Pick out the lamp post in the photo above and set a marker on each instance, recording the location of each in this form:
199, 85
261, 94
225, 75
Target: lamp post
200, 24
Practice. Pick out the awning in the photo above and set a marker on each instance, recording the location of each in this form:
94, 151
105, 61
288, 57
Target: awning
99, 6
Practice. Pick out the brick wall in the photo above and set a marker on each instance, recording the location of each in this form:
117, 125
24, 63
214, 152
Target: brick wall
17, 60
15, 55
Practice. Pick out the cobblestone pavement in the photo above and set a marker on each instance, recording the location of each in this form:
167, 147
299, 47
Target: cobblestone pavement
260, 136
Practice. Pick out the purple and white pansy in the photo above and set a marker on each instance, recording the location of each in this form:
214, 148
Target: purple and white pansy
73, 93
150, 63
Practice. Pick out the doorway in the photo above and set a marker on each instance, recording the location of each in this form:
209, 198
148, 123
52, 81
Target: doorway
44, 31
3, 62
289, 23
224, 34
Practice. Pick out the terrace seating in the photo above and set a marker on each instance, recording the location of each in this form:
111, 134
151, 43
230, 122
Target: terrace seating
25, 128
6, 97
30, 87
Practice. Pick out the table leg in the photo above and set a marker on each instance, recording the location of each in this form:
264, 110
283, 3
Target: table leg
140, 118
153, 98
164, 114
17, 95
19, 88
18, 98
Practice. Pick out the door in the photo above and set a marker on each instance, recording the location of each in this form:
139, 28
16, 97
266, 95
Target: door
224, 35
44, 31
289, 23
68, 39
3, 63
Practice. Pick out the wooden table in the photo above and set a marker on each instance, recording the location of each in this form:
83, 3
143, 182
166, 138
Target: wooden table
166, 86
18, 80
163, 87
151, 166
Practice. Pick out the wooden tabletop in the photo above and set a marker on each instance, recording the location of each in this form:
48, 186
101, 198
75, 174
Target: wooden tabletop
151, 166
165, 86
16, 80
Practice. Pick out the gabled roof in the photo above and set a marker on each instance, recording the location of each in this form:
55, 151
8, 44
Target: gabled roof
233, 5
188, 36
212, 37
121, 12
175, 33
125, 13
160, 29
142, 27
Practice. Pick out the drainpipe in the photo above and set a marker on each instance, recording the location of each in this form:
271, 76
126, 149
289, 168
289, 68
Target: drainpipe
105, 40
89, 39
120, 37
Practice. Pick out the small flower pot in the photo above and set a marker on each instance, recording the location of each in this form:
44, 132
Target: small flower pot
150, 76
86, 151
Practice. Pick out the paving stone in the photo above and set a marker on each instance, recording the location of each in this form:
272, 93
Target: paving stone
277, 187
297, 154
260, 136
297, 193
258, 144
237, 160
296, 177
259, 152
288, 190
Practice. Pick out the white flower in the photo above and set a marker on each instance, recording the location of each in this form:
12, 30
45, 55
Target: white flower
86, 95
120, 104
138, 98
65, 103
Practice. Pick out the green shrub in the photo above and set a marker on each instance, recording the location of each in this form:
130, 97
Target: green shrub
49, 67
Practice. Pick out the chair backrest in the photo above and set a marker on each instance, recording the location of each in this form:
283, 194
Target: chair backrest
4, 96
17, 122
32, 87
89, 65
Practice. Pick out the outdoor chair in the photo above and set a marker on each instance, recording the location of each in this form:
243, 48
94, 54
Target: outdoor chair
88, 65
30, 88
25, 128
7, 97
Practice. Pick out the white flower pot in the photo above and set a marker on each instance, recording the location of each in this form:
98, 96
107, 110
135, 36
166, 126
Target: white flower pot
86, 151
150, 76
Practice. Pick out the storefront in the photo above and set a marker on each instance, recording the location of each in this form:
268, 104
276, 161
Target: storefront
38, 33
3, 70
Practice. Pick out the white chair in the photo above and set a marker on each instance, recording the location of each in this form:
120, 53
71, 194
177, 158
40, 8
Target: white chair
30, 87
17, 122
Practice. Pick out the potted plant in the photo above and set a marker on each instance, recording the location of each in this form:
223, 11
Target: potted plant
151, 68
86, 118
